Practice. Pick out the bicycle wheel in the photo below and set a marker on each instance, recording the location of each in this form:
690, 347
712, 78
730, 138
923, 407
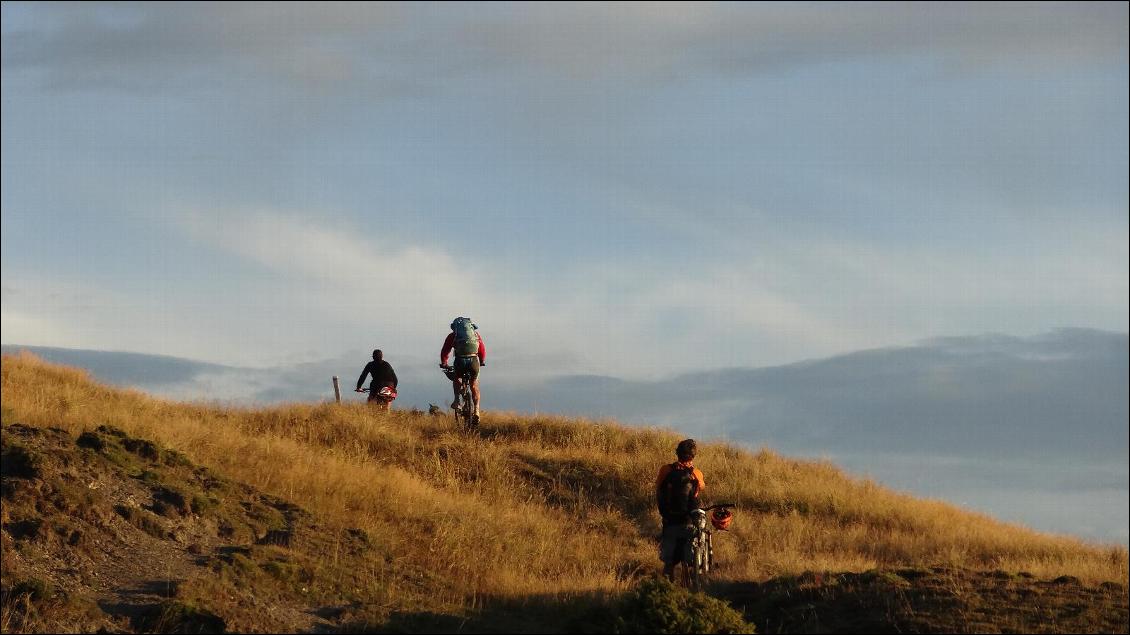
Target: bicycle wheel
689, 577
700, 561
459, 413
469, 418
695, 574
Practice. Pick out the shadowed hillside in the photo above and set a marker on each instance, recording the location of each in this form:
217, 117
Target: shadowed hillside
124, 511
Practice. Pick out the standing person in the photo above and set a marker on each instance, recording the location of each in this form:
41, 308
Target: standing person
677, 491
470, 355
383, 376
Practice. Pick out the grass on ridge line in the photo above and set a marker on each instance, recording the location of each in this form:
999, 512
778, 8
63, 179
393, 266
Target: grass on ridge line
554, 505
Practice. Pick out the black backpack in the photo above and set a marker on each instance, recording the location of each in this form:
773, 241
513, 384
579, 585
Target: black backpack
678, 493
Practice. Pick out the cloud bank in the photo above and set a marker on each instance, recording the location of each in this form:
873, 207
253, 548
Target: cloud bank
1032, 429
330, 45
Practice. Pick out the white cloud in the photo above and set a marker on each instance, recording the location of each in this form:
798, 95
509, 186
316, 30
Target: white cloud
362, 260
315, 288
58, 311
23, 328
584, 318
969, 273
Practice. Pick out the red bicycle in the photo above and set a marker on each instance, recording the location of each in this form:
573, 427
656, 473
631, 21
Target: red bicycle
382, 399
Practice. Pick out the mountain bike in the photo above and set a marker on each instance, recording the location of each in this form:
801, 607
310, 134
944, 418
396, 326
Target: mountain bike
698, 555
465, 413
383, 398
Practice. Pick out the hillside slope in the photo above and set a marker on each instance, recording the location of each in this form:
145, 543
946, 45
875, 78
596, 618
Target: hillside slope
315, 517
112, 532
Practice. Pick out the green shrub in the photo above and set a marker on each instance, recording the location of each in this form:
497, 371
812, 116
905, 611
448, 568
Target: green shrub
169, 500
91, 440
143, 520
285, 571
657, 606
142, 447
178, 616
175, 459
20, 462
202, 504
35, 589
888, 578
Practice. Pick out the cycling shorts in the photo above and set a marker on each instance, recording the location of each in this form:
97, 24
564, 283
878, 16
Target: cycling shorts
468, 365
673, 544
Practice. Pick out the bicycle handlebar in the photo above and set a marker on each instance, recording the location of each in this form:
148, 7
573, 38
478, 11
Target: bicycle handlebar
448, 368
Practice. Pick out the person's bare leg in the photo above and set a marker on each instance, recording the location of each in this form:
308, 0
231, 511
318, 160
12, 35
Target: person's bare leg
475, 393
457, 387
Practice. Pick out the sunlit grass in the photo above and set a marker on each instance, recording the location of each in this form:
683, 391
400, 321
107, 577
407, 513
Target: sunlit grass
543, 505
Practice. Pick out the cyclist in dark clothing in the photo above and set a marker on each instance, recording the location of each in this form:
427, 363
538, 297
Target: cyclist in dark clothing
382, 372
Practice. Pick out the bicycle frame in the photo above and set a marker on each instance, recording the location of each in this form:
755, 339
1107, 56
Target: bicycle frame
465, 414
698, 555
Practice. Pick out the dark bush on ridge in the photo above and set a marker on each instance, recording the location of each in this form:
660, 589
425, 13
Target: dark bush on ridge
657, 606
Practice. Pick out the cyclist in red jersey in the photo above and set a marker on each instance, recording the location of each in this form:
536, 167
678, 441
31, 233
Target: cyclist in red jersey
470, 354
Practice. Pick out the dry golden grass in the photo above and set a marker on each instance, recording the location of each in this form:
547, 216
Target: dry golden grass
534, 505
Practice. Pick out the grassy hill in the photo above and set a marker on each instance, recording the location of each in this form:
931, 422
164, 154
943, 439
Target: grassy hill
126, 512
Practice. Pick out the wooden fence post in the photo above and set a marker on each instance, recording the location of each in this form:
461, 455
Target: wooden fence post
337, 390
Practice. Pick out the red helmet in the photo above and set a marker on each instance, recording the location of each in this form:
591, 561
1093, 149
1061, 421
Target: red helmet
721, 518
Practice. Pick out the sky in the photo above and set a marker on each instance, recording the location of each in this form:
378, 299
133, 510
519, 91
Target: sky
758, 199
633, 190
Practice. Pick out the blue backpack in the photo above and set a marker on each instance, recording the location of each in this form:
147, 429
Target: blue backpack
466, 340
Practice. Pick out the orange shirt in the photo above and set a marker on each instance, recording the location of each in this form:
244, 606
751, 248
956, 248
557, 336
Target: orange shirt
666, 469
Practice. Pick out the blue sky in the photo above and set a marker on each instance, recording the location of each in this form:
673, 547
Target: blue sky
628, 190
